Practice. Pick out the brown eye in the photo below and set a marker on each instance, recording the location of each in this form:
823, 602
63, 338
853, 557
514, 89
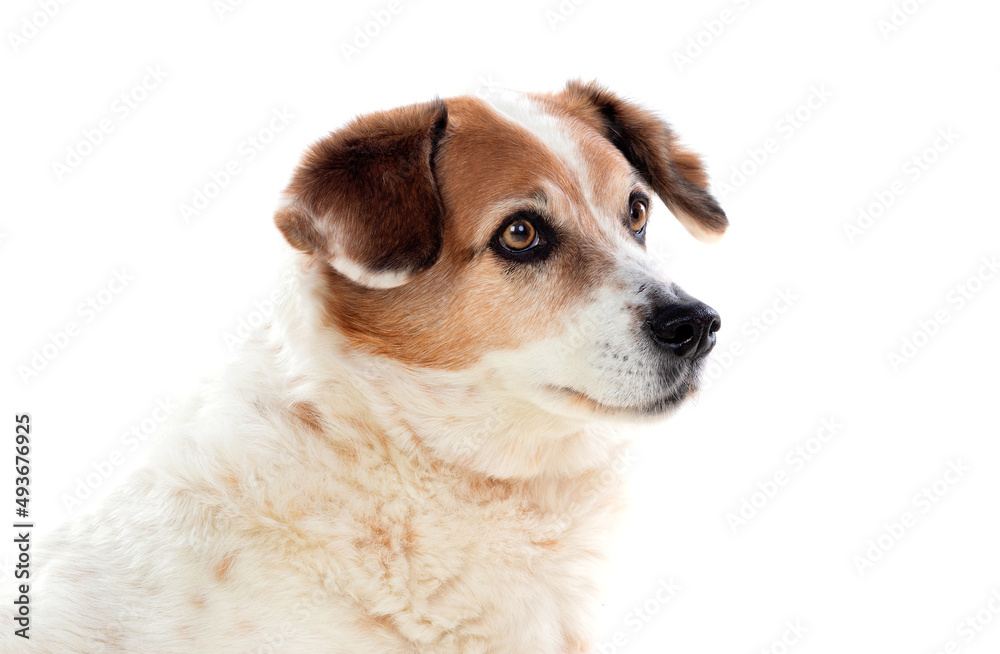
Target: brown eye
525, 237
637, 215
519, 235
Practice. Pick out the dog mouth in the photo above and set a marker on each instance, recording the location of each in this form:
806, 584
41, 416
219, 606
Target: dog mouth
685, 385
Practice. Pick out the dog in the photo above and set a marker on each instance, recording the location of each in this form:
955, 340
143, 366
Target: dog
422, 451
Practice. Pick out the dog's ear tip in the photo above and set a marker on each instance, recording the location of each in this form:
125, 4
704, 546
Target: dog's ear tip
715, 228
707, 228
710, 236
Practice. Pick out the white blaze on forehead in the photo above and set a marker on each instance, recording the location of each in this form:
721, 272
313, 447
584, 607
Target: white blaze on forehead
551, 130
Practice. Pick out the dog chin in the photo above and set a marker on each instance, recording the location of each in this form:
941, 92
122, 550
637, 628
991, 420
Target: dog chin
669, 402
662, 405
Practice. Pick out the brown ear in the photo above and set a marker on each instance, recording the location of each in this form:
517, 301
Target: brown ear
365, 198
650, 145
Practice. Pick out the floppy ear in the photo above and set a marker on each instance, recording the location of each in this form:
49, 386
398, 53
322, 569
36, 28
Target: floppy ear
650, 145
365, 200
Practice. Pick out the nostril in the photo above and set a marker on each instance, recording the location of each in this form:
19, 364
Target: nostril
678, 334
715, 326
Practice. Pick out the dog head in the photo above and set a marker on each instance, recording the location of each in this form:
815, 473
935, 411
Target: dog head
497, 245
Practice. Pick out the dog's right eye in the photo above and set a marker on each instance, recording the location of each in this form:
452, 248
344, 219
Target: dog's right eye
525, 236
519, 235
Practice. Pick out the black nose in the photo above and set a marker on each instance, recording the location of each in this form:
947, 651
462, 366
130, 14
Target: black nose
686, 328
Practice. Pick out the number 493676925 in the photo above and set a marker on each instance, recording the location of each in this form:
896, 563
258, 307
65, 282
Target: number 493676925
22, 465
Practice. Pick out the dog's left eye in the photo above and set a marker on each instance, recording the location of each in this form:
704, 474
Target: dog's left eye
638, 213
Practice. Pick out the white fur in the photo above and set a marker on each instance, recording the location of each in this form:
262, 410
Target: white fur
434, 512
365, 276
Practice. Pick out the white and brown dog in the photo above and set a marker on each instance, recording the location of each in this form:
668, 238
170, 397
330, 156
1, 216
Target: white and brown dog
418, 454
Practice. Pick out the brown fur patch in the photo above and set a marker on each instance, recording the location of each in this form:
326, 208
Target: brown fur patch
222, 568
484, 489
378, 536
307, 415
548, 544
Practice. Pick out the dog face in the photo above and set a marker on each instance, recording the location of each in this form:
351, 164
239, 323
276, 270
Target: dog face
498, 245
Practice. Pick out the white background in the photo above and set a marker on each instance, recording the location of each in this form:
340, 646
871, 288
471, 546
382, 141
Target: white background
880, 93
